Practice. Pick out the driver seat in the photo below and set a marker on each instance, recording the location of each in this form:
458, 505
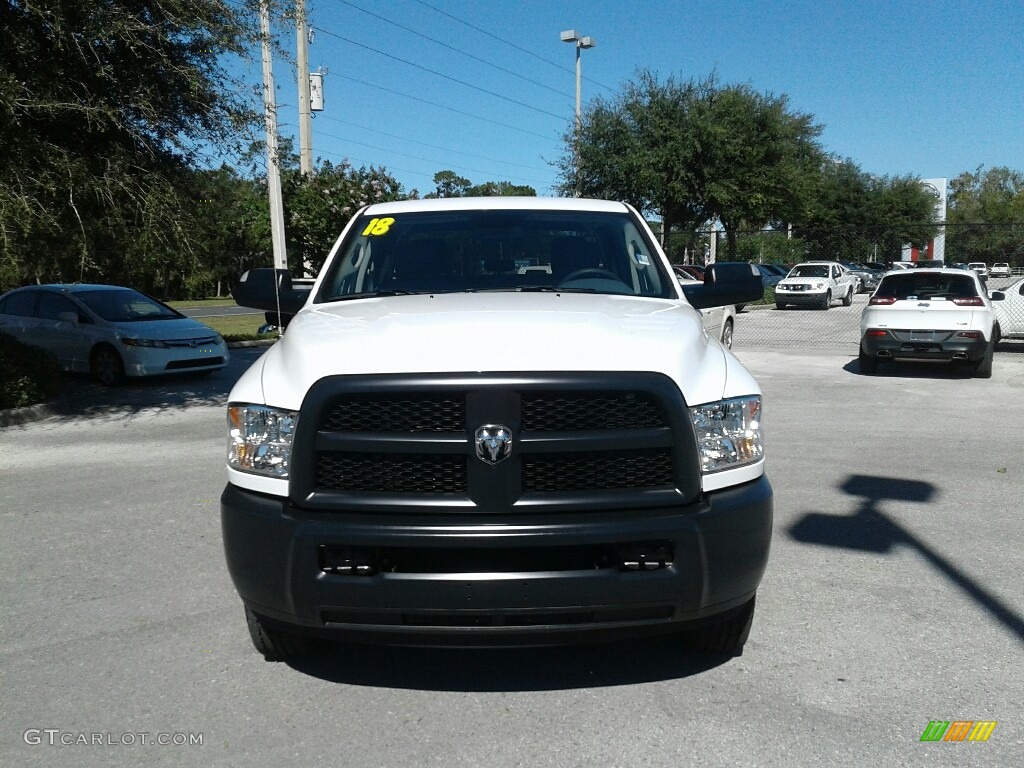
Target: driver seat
571, 254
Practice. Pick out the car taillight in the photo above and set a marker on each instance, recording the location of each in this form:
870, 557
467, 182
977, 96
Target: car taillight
882, 300
970, 301
876, 332
970, 334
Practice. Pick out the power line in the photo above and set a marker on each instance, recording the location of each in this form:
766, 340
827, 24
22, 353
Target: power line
425, 144
417, 157
442, 106
513, 45
457, 50
439, 74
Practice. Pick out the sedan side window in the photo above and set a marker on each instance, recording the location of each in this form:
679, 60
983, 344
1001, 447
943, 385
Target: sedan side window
22, 304
52, 304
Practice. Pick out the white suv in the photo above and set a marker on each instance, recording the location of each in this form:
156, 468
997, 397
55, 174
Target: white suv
929, 314
816, 284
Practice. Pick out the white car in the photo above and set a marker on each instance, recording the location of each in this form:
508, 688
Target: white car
980, 267
719, 322
110, 331
1000, 269
816, 284
1008, 304
929, 314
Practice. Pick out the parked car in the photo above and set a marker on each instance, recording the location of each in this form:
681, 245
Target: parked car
1000, 269
815, 284
110, 331
719, 322
980, 267
1009, 308
929, 314
688, 272
864, 280
769, 277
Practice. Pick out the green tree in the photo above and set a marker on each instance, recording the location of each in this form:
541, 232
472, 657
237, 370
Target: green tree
986, 216
449, 184
105, 106
693, 152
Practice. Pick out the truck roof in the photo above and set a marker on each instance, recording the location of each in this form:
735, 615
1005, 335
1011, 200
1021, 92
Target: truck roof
497, 203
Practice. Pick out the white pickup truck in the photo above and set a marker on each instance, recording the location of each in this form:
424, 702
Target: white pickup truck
447, 447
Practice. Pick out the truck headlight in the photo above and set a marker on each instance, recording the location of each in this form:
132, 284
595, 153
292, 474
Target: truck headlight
728, 433
260, 439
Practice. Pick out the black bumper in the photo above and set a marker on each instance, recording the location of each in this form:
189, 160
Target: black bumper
898, 344
426, 579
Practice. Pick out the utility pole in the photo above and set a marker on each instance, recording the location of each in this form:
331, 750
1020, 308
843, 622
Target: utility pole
302, 64
270, 122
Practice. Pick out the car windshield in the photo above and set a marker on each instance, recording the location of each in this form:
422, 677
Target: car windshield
924, 285
512, 250
121, 306
809, 270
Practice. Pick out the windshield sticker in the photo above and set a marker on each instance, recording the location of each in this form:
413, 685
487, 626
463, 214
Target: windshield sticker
378, 226
642, 260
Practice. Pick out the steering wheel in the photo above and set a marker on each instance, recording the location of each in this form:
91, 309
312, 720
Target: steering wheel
579, 274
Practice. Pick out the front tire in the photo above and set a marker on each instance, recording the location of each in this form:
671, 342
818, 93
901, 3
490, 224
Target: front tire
106, 366
727, 334
274, 644
848, 298
827, 301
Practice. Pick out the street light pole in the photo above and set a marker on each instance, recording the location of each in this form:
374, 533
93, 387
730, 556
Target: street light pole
570, 36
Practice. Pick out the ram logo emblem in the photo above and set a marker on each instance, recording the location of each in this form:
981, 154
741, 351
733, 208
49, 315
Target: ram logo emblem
493, 443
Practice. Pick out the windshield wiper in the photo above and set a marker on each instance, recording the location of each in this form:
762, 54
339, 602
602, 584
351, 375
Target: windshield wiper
375, 294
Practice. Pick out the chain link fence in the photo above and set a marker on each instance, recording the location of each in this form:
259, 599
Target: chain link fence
1000, 248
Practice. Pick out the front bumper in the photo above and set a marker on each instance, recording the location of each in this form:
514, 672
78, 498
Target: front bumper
931, 345
810, 298
497, 580
156, 361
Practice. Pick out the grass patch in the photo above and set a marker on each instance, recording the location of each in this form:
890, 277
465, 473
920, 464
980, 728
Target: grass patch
238, 327
221, 301
28, 375
769, 297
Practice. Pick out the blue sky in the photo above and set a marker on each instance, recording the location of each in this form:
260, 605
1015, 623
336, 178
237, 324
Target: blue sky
913, 87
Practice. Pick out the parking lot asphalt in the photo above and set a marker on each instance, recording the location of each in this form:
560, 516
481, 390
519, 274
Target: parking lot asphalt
892, 599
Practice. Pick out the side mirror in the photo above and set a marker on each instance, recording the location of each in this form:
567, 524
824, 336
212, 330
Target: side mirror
997, 296
68, 317
267, 289
726, 282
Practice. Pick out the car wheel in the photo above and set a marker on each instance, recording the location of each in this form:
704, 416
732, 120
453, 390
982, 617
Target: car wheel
848, 298
274, 644
868, 364
983, 368
106, 366
726, 637
827, 301
779, 305
727, 334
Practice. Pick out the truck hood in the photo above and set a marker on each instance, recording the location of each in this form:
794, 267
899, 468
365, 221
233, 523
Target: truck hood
494, 332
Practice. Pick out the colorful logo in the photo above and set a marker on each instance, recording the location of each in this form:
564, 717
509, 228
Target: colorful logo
958, 730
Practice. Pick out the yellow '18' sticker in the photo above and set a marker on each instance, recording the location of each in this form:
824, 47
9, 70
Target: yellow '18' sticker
378, 226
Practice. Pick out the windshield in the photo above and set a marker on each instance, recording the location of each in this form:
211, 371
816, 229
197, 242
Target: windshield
511, 250
121, 306
809, 270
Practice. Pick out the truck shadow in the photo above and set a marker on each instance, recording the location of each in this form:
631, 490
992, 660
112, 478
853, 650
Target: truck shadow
598, 665
871, 530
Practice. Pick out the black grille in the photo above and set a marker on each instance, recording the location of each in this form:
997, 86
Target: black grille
203, 362
573, 412
397, 413
597, 470
391, 473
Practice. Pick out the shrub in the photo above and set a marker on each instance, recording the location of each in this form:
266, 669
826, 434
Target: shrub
28, 375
